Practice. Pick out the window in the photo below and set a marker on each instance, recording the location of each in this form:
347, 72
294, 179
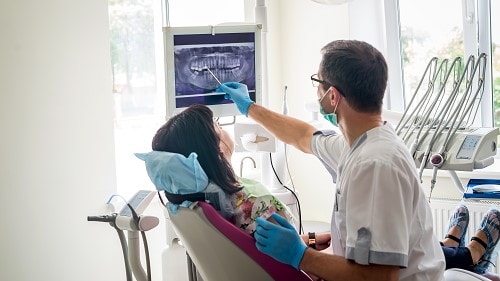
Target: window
495, 57
423, 39
138, 72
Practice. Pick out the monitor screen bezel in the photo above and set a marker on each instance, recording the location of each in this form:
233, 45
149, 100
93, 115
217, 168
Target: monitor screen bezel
220, 110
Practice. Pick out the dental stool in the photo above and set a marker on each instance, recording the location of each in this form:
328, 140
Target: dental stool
219, 251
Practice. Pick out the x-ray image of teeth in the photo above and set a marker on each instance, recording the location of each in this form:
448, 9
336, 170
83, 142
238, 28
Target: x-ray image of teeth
228, 63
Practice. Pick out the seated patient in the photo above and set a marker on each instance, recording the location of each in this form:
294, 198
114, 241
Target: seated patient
192, 155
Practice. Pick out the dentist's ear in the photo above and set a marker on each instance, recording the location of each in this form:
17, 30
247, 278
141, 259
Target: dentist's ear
335, 97
332, 96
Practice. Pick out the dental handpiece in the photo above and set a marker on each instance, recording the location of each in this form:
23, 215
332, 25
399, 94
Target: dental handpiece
213, 75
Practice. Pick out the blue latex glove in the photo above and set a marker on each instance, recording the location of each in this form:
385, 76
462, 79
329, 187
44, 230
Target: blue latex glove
238, 93
282, 242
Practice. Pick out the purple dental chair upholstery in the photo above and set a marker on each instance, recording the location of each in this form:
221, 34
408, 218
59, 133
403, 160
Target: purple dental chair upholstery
219, 251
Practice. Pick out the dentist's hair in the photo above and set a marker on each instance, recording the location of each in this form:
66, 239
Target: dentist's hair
193, 130
358, 71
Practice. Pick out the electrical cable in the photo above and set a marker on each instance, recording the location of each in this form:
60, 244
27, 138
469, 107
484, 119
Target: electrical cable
288, 168
301, 230
161, 199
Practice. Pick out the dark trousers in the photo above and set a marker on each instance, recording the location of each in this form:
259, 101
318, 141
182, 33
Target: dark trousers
458, 257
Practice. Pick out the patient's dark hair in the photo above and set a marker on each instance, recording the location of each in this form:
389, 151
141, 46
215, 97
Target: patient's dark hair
193, 130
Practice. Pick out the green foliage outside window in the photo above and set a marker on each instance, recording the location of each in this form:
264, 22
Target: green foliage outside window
132, 42
496, 100
411, 39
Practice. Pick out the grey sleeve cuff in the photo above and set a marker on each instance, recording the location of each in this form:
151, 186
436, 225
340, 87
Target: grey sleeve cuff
362, 254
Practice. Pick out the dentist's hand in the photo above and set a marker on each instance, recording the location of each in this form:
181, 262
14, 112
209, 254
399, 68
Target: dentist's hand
282, 242
238, 93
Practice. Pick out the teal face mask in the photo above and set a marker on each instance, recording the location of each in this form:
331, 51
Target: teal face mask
330, 117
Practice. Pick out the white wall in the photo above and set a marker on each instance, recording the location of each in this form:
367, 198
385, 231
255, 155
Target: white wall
56, 145
298, 30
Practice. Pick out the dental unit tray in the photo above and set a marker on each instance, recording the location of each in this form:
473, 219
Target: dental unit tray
483, 189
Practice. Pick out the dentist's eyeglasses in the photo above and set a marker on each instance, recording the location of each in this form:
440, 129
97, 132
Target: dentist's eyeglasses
316, 81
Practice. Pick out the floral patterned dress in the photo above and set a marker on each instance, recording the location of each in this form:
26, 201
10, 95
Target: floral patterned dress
254, 201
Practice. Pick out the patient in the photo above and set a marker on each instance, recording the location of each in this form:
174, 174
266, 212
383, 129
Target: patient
480, 253
193, 136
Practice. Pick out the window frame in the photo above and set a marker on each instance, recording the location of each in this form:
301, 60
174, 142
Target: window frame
476, 24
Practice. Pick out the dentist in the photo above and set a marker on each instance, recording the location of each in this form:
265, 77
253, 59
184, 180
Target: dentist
381, 223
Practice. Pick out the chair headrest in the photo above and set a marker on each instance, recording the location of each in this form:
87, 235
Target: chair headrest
174, 173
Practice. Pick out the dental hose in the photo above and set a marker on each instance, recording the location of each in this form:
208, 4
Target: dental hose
111, 220
123, 243
293, 193
433, 182
136, 218
146, 251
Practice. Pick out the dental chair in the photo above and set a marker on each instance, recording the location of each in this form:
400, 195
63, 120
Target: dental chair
220, 251
456, 274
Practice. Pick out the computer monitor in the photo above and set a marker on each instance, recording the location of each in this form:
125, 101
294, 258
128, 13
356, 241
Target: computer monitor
230, 52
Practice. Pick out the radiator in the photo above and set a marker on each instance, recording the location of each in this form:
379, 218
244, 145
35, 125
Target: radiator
443, 209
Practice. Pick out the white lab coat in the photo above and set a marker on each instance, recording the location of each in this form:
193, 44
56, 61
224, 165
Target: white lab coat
381, 215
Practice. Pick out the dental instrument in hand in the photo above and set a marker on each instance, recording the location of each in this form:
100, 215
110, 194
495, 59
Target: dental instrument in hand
213, 75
